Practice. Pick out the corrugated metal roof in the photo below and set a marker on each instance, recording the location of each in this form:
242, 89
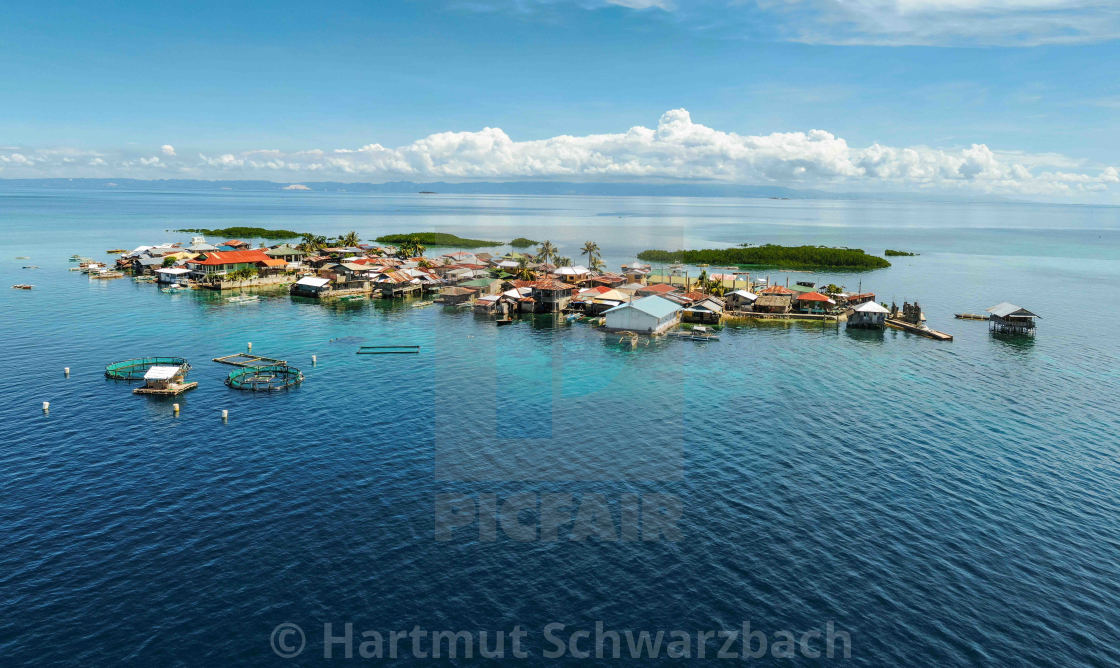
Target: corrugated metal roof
1007, 309
652, 305
871, 307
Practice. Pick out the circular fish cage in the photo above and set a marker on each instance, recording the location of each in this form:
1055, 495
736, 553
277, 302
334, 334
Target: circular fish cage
135, 369
265, 378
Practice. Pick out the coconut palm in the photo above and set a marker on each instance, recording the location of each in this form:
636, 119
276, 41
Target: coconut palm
350, 239
591, 250
410, 247
546, 252
312, 242
564, 262
523, 272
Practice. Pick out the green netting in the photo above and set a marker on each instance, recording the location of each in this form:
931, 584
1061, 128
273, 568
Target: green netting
265, 378
135, 369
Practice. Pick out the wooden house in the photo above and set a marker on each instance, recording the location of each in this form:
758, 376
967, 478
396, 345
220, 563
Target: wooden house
1007, 318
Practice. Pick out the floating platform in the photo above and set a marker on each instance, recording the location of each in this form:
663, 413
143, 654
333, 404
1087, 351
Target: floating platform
920, 331
171, 390
134, 369
249, 360
969, 316
388, 350
265, 378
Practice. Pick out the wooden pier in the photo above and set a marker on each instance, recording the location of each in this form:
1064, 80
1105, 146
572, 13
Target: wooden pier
969, 316
919, 330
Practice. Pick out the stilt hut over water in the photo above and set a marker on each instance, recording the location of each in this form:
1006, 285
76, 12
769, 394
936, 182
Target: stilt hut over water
868, 315
1009, 318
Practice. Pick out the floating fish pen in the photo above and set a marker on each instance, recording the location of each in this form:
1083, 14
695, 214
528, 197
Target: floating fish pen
249, 360
265, 378
135, 369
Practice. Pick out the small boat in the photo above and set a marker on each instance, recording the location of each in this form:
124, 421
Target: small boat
30, 266
702, 333
144, 279
22, 257
423, 304
22, 286
703, 265
106, 274
503, 321
243, 299
117, 251
173, 288
572, 316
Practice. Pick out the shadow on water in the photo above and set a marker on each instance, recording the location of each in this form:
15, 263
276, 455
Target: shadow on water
872, 336
1016, 344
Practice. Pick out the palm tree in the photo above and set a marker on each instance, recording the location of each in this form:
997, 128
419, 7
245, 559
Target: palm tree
350, 239
591, 250
524, 273
410, 247
596, 264
546, 252
564, 262
312, 242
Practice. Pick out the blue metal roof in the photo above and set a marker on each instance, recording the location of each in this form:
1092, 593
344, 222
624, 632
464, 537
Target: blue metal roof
652, 305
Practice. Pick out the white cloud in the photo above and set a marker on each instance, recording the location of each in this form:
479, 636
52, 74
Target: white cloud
643, 4
944, 22
676, 149
168, 150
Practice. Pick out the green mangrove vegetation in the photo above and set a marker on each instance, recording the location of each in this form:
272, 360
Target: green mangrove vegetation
436, 239
249, 232
522, 242
773, 255
898, 253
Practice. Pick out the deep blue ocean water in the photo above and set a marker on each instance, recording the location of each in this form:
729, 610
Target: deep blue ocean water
942, 503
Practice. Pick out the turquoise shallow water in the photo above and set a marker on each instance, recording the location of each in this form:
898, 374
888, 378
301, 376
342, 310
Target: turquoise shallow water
943, 503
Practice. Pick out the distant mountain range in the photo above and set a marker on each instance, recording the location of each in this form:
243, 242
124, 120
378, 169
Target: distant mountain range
492, 188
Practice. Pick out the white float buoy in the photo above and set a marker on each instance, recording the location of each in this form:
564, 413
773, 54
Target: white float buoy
314, 360
225, 414
175, 408
250, 346
66, 370
46, 406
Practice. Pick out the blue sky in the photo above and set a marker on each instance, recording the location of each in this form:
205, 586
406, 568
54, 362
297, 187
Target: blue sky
293, 91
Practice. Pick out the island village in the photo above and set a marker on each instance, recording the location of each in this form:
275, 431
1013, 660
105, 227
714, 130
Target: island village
633, 301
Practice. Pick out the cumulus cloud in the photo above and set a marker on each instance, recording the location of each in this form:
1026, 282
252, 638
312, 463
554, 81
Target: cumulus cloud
168, 150
677, 148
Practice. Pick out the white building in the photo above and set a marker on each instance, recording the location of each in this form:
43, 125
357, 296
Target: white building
178, 275
648, 315
868, 315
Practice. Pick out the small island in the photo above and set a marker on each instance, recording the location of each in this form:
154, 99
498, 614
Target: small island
522, 242
898, 253
436, 239
248, 232
772, 255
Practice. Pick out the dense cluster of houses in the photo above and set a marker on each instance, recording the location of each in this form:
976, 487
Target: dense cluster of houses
503, 285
